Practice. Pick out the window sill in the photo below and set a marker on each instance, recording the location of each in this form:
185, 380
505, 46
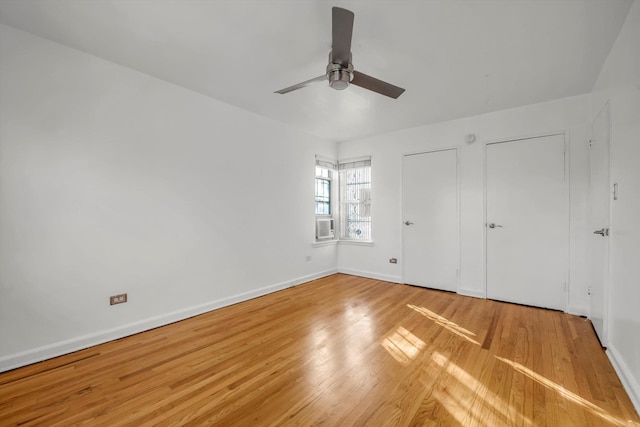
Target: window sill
357, 242
321, 243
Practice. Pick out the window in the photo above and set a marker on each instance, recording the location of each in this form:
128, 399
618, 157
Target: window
355, 200
325, 199
323, 190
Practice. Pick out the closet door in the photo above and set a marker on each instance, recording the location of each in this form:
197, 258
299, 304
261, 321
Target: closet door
527, 234
431, 220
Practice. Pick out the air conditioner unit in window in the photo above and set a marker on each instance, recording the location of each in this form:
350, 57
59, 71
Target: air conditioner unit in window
324, 228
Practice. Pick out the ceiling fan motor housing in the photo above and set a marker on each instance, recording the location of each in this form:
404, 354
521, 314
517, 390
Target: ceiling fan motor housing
339, 75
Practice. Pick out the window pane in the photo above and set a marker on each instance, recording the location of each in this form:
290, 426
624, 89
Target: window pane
356, 202
323, 196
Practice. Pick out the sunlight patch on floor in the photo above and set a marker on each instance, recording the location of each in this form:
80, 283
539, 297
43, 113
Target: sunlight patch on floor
594, 409
481, 392
445, 323
403, 345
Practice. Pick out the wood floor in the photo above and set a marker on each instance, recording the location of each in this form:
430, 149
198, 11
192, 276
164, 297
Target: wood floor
337, 351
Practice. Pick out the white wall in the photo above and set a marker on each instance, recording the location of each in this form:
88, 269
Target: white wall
619, 83
570, 115
112, 181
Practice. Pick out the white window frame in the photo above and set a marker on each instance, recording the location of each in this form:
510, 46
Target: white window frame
332, 167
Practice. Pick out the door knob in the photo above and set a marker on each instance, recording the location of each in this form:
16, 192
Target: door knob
408, 223
492, 225
603, 232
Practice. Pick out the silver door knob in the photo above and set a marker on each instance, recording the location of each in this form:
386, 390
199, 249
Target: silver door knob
408, 223
492, 225
603, 232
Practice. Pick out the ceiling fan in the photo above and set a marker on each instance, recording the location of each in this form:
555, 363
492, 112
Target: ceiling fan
340, 71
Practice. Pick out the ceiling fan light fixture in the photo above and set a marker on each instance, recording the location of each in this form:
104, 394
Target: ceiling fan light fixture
339, 75
339, 79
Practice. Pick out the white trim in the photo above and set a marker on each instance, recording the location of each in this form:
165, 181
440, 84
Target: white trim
353, 159
578, 310
356, 242
471, 293
326, 159
370, 275
567, 179
430, 150
629, 383
606, 325
49, 351
459, 208
484, 219
524, 137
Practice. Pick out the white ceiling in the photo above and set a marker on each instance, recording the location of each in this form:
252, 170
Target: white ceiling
455, 58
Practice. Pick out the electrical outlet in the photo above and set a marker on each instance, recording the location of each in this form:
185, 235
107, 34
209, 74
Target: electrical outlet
117, 299
393, 260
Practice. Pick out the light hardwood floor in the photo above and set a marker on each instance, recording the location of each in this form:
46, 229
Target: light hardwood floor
342, 350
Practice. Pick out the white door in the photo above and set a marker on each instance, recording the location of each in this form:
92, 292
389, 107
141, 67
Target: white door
430, 212
527, 229
599, 221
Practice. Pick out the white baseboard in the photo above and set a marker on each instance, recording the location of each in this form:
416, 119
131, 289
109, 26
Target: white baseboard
471, 293
49, 351
578, 311
629, 383
371, 275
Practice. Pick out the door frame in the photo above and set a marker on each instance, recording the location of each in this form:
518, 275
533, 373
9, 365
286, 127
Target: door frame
458, 205
567, 184
607, 263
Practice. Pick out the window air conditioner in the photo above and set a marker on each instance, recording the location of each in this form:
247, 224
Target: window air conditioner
324, 228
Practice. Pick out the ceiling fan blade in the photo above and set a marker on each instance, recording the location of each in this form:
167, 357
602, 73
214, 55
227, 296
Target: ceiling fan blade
342, 32
371, 83
301, 85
